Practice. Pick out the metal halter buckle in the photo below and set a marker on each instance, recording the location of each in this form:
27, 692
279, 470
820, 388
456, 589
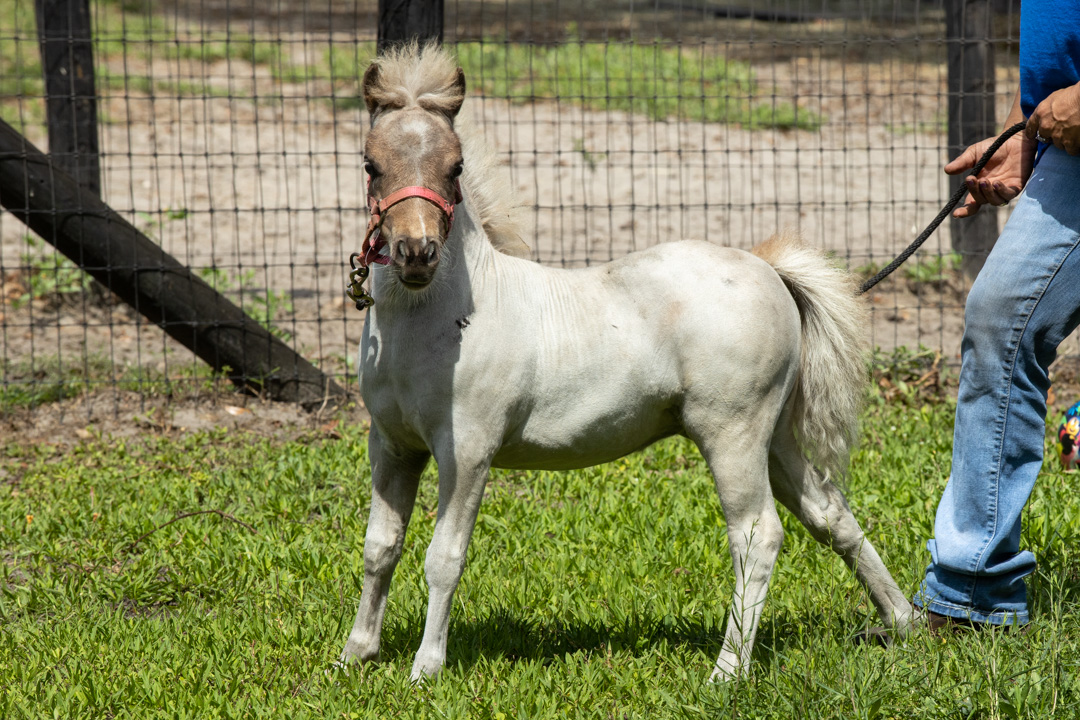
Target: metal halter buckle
355, 289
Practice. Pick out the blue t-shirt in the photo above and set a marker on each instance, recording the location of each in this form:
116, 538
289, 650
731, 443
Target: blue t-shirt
1049, 49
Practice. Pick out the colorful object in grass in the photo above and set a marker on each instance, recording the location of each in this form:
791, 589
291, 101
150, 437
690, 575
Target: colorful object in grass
1068, 433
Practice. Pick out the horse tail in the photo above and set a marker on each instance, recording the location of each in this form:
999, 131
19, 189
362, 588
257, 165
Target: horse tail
832, 369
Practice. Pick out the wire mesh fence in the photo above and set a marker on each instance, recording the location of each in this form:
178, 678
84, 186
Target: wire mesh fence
231, 133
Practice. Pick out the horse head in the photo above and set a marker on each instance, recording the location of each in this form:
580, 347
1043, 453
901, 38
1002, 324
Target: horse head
413, 159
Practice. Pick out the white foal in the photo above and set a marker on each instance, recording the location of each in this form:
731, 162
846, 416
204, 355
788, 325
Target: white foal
482, 360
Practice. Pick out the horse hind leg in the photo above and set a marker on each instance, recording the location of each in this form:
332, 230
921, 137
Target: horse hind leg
739, 467
821, 507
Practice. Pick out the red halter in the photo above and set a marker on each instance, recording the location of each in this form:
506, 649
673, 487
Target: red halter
373, 242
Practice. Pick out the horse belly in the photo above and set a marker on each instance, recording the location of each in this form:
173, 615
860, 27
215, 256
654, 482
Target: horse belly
575, 438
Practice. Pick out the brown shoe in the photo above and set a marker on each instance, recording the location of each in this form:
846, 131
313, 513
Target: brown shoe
939, 624
944, 625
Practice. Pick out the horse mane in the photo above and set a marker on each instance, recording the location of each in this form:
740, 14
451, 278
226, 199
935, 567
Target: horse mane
425, 76
490, 191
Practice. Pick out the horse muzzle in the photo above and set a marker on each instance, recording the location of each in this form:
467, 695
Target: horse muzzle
416, 259
415, 255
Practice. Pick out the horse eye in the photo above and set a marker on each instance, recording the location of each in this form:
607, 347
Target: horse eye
455, 172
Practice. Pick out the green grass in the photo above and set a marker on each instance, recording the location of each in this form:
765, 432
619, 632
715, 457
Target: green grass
933, 268
20, 66
658, 80
263, 305
598, 593
49, 275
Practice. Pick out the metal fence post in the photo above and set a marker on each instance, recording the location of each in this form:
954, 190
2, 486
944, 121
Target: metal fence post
67, 61
971, 115
401, 21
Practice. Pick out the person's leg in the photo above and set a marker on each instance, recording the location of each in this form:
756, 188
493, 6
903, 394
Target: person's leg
1024, 303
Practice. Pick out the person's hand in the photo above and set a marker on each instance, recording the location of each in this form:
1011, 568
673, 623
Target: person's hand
1003, 177
1057, 120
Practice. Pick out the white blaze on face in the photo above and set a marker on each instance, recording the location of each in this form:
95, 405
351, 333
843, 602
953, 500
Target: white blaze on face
416, 137
416, 133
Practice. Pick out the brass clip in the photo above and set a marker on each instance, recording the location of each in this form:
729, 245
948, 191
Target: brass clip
355, 289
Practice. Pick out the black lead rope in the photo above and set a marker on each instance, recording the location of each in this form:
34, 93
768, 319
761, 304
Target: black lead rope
953, 201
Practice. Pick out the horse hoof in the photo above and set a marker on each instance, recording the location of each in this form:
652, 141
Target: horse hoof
876, 636
424, 672
720, 675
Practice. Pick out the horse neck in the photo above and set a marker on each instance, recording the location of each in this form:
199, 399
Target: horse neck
470, 250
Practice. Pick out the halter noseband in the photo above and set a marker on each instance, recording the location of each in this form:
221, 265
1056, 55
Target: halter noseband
373, 241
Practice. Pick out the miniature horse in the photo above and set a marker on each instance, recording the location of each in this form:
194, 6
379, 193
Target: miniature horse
481, 359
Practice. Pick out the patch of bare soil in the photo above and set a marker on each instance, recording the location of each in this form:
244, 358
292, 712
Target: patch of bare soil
123, 414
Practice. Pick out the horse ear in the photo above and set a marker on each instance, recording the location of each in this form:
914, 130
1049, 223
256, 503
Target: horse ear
369, 85
378, 98
458, 89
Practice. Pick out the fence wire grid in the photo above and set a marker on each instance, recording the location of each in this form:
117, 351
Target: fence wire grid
231, 133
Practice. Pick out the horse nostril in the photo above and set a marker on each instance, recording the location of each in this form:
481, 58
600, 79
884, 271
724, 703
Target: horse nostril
416, 251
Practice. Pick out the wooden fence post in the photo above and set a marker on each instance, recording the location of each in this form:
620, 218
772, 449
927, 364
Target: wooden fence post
401, 21
112, 251
67, 61
971, 115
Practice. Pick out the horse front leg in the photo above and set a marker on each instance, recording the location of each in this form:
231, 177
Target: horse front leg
394, 480
461, 488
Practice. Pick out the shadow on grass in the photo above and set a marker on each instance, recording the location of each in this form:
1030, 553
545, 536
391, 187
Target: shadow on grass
507, 634
1053, 588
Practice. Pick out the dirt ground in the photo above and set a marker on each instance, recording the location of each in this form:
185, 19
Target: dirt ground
128, 414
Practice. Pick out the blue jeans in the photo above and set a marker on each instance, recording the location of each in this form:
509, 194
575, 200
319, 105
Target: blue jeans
1025, 301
